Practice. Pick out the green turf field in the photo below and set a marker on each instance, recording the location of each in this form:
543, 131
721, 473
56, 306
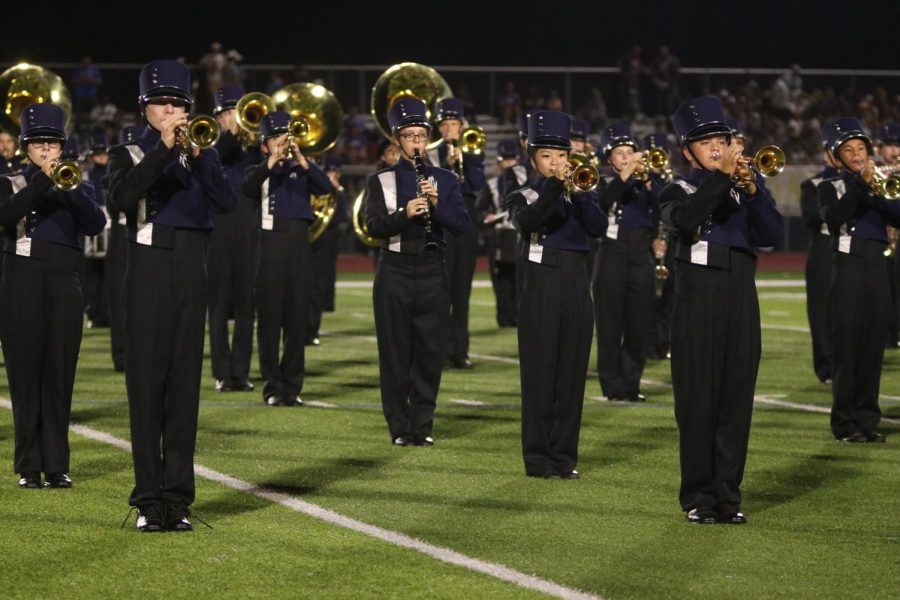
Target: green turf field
823, 516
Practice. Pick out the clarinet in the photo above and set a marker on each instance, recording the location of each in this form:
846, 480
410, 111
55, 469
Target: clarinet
431, 245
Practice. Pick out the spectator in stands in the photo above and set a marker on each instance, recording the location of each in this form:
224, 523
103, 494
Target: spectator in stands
594, 110
86, 80
232, 73
665, 73
534, 100
510, 104
276, 82
631, 68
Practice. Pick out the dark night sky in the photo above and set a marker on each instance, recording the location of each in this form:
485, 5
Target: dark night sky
760, 34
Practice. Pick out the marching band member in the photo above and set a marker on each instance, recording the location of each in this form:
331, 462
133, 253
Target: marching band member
818, 267
116, 253
555, 315
282, 183
325, 254
716, 342
501, 237
9, 162
858, 297
579, 138
409, 206
167, 194
40, 297
230, 253
623, 282
460, 250
96, 293
516, 176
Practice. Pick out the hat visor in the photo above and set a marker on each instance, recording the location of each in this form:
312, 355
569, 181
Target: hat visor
167, 93
705, 131
851, 135
619, 141
274, 133
42, 133
447, 116
226, 106
412, 121
550, 142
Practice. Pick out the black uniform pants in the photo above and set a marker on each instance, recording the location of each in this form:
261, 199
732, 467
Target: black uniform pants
893, 275
411, 300
460, 255
231, 250
859, 305
164, 301
96, 299
324, 278
116, 259
716, 348
660, 332
40, 327
624, 292
503, 277
818, 279
283, 287
555, 335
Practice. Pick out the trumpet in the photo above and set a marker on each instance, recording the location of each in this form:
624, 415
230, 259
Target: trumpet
472, 140
297, 128
769, 161
66, 175
200, 132
884, 184
582, 176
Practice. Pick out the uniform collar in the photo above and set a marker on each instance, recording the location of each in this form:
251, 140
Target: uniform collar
151, 135
29, 171
404, 165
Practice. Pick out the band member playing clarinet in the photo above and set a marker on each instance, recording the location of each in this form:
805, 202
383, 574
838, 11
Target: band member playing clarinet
409, 206
167, 189
40, 296
555, 314
720, 214
856, 213
282, 183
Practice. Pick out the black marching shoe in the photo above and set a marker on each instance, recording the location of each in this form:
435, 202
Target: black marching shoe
731, 516
637, 398
857, 437
702, 515
30, 481
272, 400
403, 441
573, 474
150, 519
57, 480
177, 518
424, 440
873, 437
223, 386
241, 385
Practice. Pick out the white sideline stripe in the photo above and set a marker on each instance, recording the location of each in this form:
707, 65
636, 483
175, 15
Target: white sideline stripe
782, 296
465, 402
446, 555
317, 404
797, 328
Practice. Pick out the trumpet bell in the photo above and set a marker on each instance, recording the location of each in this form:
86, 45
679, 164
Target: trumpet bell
203, 132
657, 159
585, 177
323, 208
408, 80
577, 159
359, 221
66, 176
298, 128
472, 140
889, 187
319, 108
769, 161
251, 109
25, 84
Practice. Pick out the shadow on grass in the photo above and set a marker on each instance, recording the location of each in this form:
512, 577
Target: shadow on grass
309, 480
783, 485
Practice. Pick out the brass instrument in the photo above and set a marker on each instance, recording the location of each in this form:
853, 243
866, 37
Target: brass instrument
769, 161
582, 176
408, 80
249, 113
893, 235
318, 108
66, 175
359, 221
200, 132
25, 84
323, 208
472, 140
661, 270
885, 185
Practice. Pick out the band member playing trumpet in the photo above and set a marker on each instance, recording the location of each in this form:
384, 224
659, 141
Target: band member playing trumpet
818, 267
623, 281
282, 183
167, 189
409, 206
555, 314
501, 237
719, 224
856, 217
40, 296
230, 253
460, 250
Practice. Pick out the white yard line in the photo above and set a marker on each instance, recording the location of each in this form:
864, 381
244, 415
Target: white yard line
395, 538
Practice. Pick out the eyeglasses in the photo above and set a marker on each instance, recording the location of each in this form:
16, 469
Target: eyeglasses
414, 137
53, 144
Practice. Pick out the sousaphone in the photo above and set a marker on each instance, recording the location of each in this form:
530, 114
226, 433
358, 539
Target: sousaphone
408, 80
25, 84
